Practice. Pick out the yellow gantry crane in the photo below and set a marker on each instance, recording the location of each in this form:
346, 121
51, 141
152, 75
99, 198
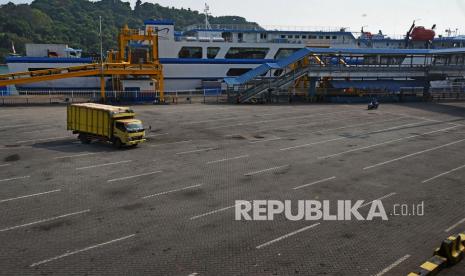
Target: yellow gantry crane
118, 64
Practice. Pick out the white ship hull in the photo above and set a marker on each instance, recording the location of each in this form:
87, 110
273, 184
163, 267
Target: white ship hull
186, 69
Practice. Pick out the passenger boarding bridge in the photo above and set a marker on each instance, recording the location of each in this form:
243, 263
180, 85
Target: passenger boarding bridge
383, 69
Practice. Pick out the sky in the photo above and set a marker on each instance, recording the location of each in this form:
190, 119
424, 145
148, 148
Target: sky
391, 16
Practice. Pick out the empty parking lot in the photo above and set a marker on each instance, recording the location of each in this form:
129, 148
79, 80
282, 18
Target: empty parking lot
168, 206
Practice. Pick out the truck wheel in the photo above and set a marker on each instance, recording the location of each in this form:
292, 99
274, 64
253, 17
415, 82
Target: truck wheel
117, 143
84, 139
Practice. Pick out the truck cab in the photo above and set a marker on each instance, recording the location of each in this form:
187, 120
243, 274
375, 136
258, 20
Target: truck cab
128, 132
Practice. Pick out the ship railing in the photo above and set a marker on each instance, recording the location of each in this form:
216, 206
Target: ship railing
239, 27
256, 27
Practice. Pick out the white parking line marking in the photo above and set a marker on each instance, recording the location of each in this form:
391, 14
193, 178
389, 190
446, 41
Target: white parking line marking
212, 212
280, 119
235, 117
384, 143
455, 225
155, 135
316, 182
442, 174
441, 130
194, 151
367, 147
213, 120
411, 116
81, 250
76, 155
266, 170
133, 176
39, 130
316, 122
356, 125
15, 147
44, 220
5, 165
104, 165
381, 198
43, 139
26, 196
20, 125
172, 191
393, 265
311, 144
266, 140
413, 154
228, 159
395, 127
173, 143
287, 235
14, 178
322, 130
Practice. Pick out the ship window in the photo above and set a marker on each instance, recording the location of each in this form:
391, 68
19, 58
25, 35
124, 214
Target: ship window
285, 52
313, 37
212, 52
36, 69
328, 37
283, 36
234, 72
334, 37
240, 37
263, 36
304, 37
321, 37
190, 52
297, 36
247, 53
289, 36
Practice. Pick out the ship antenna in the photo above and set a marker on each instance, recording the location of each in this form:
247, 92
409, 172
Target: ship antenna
207, 13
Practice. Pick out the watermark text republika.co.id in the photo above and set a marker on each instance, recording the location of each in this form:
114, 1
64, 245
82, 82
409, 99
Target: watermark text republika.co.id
326, 210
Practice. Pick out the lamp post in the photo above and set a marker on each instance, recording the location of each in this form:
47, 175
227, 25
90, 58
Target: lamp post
102, 78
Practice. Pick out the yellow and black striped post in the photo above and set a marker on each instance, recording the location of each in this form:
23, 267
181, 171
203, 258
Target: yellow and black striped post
451, 252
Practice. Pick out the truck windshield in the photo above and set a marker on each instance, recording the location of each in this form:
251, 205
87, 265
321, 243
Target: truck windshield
134, 127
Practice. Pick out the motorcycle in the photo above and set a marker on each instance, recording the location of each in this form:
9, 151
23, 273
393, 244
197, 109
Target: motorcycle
373, 105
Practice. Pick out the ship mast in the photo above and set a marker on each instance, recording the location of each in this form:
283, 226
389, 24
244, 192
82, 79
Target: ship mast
207, 13
207, 23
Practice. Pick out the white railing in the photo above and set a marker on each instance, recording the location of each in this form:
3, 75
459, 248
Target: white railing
76, 96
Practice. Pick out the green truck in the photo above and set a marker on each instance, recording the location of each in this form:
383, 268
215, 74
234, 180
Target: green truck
106, 123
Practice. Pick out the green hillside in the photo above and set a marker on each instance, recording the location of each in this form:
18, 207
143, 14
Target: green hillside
75, 22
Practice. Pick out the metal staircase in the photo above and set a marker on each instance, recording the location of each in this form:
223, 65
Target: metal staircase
274, 84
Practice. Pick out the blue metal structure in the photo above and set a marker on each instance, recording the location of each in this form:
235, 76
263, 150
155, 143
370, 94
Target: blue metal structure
383, 69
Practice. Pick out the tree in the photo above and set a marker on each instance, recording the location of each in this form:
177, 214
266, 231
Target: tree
75, 22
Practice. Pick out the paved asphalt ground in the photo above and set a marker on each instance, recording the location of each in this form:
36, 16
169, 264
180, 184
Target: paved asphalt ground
167, 207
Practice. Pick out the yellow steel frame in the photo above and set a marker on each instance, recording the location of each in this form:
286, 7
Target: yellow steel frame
119, 67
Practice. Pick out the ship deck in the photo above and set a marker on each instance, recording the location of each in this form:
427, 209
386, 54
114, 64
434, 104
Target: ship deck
167, 207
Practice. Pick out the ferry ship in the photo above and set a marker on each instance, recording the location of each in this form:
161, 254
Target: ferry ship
203, 55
